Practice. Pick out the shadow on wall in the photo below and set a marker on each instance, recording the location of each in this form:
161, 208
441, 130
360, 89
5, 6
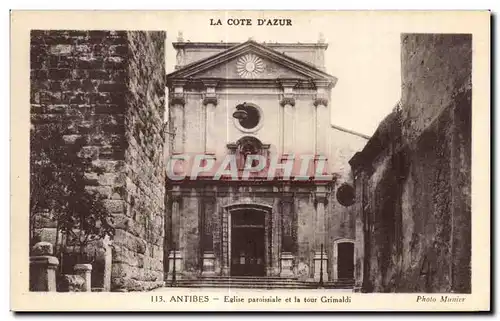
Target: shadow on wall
413, 176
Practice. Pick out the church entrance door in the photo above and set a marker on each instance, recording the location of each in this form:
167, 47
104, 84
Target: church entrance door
248, 243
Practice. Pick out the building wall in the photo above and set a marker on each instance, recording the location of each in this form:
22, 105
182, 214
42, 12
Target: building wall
186, 226
270, 132
413, 176
109, 87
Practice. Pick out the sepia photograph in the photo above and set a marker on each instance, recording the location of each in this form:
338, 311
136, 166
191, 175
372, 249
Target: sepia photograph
230, 152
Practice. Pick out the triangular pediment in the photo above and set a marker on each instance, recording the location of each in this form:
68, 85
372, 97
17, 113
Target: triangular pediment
248, 61
249, 66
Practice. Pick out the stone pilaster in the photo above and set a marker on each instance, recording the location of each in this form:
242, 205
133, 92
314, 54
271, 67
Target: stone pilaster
320, 239
286, 255
175, 256
276, 238
322, 116
207, 244
210, 102
287, 223
177, 115
288, 103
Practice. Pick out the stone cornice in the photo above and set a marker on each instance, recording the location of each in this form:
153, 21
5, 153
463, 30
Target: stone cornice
287, 101
320, 101
210, 83
179, 82
288, 83
325, 83
307, 70
227, 45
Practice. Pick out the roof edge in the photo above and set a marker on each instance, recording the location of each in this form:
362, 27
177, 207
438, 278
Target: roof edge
217, 56
183, 44
342, 129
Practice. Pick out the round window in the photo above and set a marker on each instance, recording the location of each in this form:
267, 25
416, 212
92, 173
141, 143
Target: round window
252, 119
346, 195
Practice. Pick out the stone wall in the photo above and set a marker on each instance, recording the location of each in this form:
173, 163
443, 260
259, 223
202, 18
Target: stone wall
108, 86
413, 176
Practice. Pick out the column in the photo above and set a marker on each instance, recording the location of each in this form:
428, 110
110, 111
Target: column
210, 102
287, 257
175, 264
177, 121
288, 103
320, 257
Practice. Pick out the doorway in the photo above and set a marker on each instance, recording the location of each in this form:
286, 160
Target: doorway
345, 261
248, 243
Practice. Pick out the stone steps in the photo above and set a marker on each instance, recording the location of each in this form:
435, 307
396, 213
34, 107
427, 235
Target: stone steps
258, 283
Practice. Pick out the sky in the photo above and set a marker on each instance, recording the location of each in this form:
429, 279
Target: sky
363, 53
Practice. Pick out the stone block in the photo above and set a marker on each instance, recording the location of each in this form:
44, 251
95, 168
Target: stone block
286, 265
208, 264
42, 249
43, 273
72, 283
320, 267
130, 241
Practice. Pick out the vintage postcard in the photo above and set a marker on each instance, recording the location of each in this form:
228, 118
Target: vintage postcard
250, 161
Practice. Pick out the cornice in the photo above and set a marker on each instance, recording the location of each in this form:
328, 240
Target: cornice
309, 71
228, 45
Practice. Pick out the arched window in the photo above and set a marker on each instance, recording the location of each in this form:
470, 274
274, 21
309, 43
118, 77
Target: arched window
248, 146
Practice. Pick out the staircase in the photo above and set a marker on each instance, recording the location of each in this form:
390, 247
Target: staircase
261, 282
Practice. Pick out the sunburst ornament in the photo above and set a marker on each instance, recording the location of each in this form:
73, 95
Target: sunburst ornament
249, 66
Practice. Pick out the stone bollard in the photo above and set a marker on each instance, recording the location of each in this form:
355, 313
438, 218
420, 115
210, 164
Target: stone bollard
84, 270
43, 268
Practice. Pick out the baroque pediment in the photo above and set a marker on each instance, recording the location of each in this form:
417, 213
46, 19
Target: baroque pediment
250, 61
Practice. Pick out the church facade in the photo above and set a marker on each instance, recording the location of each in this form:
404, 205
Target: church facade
258, 180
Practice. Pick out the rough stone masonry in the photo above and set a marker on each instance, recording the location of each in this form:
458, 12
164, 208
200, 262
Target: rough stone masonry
110, 87
413, 178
